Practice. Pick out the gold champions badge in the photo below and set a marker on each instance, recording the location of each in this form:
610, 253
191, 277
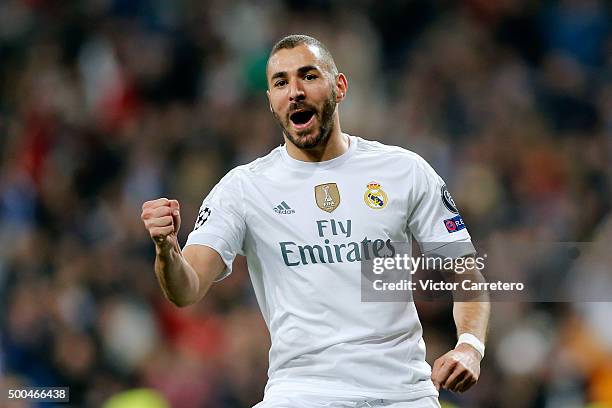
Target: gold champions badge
327, 196
375, 197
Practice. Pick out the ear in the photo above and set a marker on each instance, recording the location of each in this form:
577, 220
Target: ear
269, 103
341, 87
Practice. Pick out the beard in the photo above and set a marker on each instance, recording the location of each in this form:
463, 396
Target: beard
324, 117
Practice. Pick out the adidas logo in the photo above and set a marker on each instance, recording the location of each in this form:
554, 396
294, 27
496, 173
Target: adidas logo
283, 208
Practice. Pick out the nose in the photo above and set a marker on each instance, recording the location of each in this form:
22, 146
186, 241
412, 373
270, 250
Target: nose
296, 91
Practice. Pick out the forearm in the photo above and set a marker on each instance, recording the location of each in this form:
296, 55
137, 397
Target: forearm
459, 369
184, 276
472, 317
177, 279
471, 309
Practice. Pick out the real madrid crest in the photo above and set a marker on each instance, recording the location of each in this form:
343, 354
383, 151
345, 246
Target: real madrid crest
375, 197
327, 196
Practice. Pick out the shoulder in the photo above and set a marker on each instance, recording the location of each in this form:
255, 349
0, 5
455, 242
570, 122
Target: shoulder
394, 155
262, 164
398, 160
254, 168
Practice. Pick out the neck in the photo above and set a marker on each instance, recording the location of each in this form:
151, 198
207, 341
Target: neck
335, 146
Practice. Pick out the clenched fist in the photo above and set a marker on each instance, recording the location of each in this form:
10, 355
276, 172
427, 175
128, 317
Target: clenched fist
458, 369
162, 218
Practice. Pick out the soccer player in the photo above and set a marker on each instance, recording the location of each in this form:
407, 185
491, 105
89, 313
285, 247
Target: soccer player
305, 216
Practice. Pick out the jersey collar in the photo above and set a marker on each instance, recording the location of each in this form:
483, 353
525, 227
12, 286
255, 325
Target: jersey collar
327, 164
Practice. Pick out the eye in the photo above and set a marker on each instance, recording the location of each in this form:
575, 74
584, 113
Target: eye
310, 77
279, 83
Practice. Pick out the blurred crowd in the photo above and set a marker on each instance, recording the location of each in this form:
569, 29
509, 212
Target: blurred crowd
105, 104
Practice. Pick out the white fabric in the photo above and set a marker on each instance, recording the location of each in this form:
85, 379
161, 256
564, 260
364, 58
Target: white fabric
473, 341
323, 337
306, 400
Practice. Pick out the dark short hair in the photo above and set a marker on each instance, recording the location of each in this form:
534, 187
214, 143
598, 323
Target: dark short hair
294, 40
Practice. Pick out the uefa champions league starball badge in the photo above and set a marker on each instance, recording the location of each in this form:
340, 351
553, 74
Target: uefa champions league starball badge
448, 201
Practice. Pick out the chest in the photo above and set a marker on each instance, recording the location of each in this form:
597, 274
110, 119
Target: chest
338, 209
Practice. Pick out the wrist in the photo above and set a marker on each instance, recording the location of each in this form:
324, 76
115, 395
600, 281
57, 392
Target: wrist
166, 248
473, 341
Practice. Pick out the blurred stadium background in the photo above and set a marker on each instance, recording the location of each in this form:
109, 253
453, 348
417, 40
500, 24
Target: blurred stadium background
107, 103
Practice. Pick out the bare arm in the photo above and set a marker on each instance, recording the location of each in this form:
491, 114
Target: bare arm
459, 369
184, 277
471, 316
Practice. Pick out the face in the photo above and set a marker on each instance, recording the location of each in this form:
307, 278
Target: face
303, 95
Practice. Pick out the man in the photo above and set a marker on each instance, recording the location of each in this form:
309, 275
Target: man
305, 216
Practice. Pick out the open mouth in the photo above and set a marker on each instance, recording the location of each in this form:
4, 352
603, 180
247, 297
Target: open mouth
302, 118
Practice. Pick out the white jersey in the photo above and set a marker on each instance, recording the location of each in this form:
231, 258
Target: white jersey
304, 227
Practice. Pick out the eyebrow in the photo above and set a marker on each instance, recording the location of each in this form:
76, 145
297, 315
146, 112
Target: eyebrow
301, 71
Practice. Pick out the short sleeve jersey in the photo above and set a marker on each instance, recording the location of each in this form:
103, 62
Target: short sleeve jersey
304, 228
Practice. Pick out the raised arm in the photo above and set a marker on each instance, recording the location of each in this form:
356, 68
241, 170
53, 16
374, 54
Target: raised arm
184, 277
